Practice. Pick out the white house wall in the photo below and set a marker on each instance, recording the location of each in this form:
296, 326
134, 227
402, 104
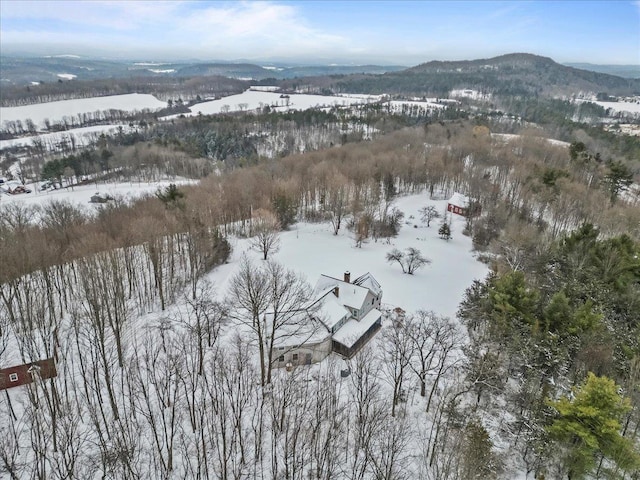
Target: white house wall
317, 351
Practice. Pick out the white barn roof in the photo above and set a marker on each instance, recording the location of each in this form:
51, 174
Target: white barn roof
459, 200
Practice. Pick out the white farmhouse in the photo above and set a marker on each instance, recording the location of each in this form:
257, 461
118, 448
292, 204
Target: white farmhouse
344, 316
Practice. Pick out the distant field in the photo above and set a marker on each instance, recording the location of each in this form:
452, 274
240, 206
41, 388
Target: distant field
56, 111
81, 136
250, 100
621, 106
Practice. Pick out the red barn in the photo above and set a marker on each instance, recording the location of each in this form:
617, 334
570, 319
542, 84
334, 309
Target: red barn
458, 204
24, 374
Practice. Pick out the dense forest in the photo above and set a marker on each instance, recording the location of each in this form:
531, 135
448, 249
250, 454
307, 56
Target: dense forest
552, 350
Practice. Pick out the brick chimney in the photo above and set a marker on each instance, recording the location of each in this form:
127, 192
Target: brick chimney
336, 291
347, 277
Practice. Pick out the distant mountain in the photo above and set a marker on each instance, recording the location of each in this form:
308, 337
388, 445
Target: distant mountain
512, 74
625, 71
26, 70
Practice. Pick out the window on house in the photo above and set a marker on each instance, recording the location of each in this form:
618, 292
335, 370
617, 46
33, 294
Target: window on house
13, 377
281, 358
373, 301
294, 357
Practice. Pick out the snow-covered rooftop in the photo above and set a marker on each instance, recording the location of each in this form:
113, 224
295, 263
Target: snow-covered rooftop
349, 294
367, 281
301, 328
351, 331
330, 311
459, 200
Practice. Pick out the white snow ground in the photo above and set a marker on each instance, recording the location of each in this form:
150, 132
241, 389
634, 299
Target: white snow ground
80, 195
509, 137
312, 249
621, 106
55, 111
82, 136
252, 99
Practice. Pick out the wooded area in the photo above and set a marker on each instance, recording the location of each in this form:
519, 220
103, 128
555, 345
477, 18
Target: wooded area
559, 228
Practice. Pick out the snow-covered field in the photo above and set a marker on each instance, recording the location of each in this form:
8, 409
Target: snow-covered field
469, 93
81, 136
56, 111
81, 195
251, 99
621, 106
312, 249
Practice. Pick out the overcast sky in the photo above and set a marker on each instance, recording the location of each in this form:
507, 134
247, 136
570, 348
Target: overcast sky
405, 33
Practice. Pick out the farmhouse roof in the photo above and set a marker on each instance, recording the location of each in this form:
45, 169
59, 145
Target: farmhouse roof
349, 294
369, 282
459, 200
302, 327
351, 331
330, 311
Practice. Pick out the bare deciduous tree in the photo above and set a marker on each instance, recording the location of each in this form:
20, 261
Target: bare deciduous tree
397, 351
265, 228
410, 261
267, 300
428, 213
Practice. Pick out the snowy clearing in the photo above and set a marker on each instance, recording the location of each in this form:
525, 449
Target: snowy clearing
56, 111
469, 93
621, 106
80, 195
312, 250
81, 136
251, 99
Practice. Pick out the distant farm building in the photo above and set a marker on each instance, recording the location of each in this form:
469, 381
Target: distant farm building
342, 319
461, 205
458, 204
26, 373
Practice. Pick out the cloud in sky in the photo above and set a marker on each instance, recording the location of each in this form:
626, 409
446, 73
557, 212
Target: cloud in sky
356, 31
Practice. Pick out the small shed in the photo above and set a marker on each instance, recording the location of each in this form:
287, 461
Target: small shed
23, 374
458, 204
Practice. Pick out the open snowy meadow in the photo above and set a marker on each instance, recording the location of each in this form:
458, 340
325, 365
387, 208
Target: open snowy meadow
312, 250
253, 99
81, 195
56, 111
83, 136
